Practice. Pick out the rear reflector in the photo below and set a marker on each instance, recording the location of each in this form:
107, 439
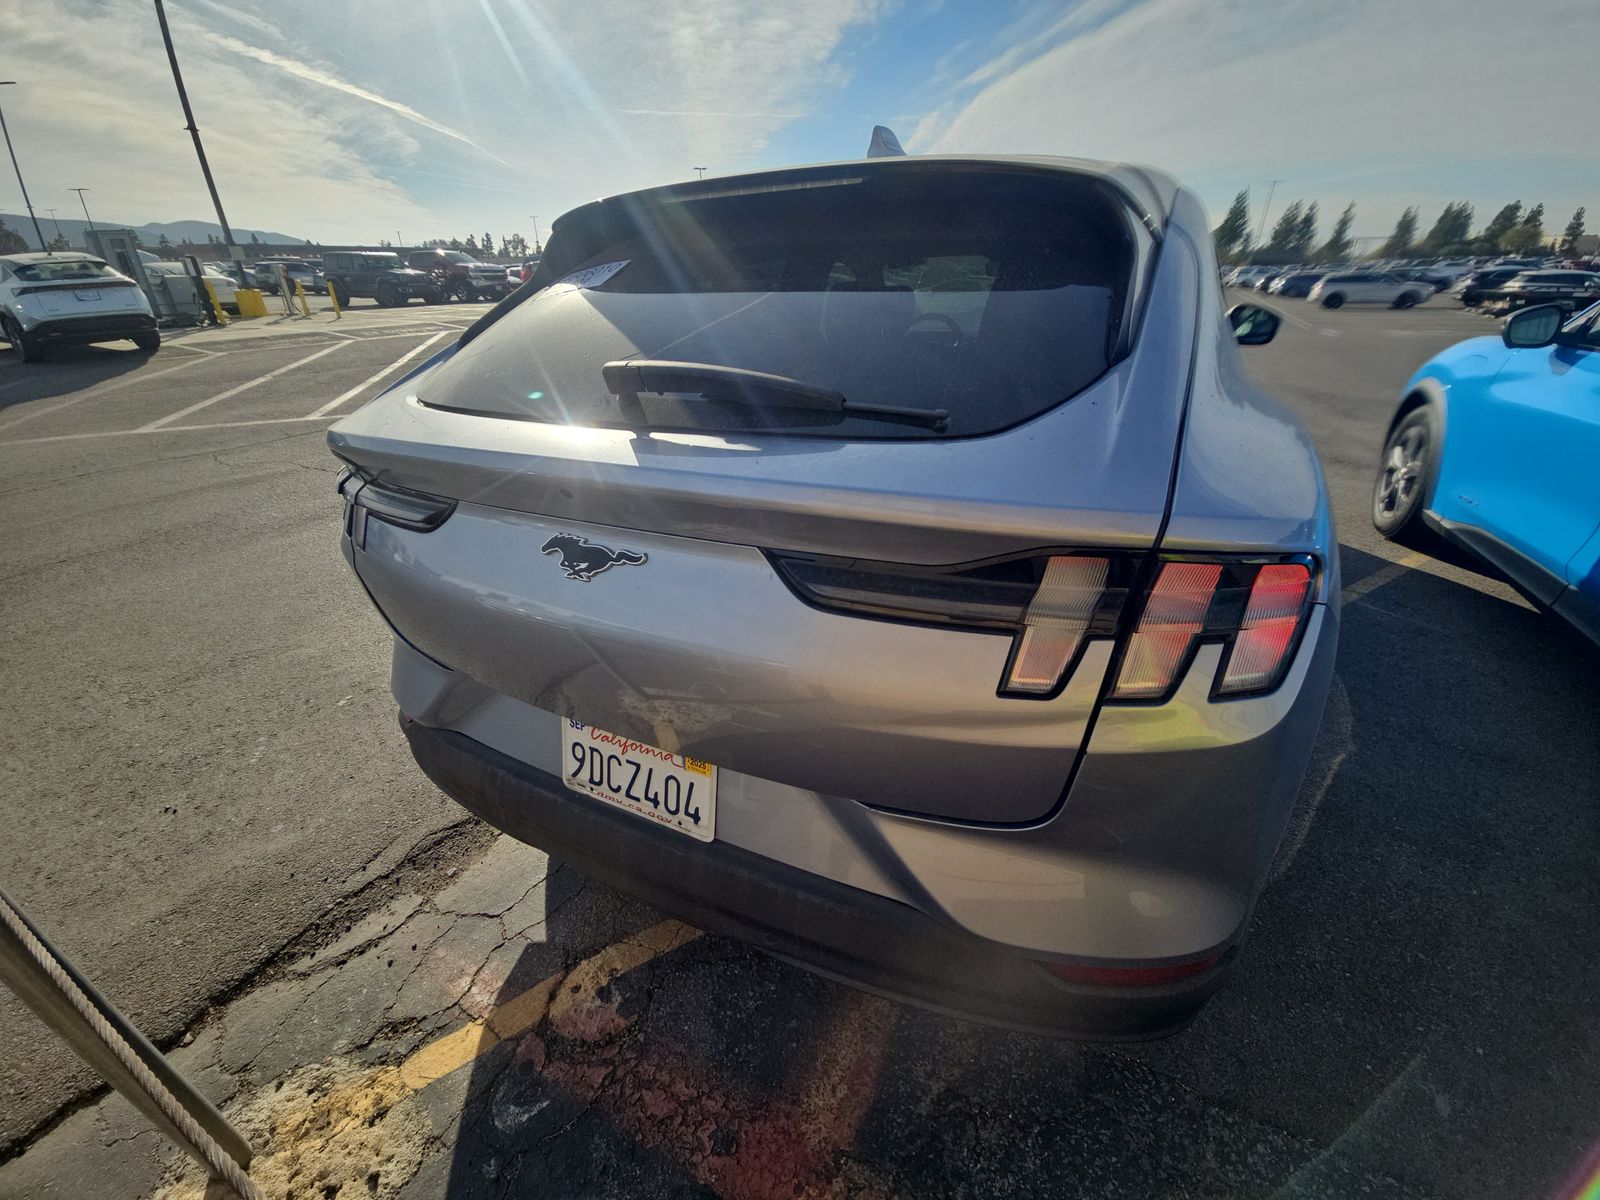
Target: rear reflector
1173, 617
1130, 976
1267, 633
1055, 622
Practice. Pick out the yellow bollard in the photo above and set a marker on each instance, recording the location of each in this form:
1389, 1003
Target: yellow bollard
300, 295
251, 303
333, 298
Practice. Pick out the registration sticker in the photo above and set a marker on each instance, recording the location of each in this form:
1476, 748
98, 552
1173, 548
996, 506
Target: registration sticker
644, 780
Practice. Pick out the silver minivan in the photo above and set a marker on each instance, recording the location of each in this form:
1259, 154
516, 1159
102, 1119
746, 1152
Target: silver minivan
887, 563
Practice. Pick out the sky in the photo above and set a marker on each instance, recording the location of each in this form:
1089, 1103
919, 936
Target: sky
360, 120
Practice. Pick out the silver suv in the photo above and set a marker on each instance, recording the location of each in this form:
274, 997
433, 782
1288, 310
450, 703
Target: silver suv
887, 563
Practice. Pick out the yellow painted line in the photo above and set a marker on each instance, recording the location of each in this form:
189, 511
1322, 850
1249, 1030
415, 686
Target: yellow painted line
1371, 583
554, 996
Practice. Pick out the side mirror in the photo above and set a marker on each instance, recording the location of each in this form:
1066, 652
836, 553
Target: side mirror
1529, 328
1253, 325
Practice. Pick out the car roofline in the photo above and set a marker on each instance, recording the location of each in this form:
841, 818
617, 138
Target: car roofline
1150, 192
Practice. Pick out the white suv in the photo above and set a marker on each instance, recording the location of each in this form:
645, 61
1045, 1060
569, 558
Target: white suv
1368, 287
70, 299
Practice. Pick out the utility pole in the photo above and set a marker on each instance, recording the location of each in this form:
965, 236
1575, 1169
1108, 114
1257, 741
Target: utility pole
85, 204
28, 203
702, 172
1265, 208
235, 254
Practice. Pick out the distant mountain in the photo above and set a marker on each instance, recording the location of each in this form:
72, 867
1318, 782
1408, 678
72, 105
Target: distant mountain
176, 231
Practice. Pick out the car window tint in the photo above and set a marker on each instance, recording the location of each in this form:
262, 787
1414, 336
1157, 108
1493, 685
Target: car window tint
63, 271
994, 295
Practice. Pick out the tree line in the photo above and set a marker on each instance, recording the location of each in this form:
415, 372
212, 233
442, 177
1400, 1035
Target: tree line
511, 246
1512, 230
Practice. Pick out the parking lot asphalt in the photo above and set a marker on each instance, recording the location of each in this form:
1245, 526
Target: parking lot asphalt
209, 807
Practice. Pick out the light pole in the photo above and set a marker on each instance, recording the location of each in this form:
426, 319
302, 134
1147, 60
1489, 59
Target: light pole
85, 204
57, 221
1266, 208
397, 241
235, 254
702, 172
535, 221
29, 203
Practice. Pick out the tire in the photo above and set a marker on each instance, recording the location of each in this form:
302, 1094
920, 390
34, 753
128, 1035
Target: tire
1405, 300
148, 343
464, 291
1333, 300
433, 296
1407, 469
339, 295
1472, 299
24, 347
386, 298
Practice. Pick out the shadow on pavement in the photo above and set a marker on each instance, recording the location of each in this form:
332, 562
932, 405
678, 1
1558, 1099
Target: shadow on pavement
1413, 1015
65, 369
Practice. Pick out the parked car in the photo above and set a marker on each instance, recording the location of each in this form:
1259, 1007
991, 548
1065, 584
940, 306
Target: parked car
379, 274
1476, 287
957, 647
1264, 284
1436, 281
1366, 287
1494, 447
1297, 285
223, 286
529, 266
69, 299
1245, 277
1571, 290
459, 274
307, 274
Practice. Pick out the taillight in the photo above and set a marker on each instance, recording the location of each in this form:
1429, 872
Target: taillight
1257, 609
1049, 603
1174, 616
1270, 627
1052, 603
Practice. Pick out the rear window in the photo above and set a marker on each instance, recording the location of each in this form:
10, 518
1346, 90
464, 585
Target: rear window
62, 271
992, 294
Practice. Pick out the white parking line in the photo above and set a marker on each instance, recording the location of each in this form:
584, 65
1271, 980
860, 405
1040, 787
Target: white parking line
377, 375
110, 385
243, 387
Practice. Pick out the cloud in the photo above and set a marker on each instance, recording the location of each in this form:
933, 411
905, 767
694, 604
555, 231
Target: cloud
322, 78
96, 108
1228, 92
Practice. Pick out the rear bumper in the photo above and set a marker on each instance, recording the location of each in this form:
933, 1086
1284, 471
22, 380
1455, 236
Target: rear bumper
110, 327
841, 932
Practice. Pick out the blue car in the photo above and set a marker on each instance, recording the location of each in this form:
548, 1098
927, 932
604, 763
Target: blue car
1496, 447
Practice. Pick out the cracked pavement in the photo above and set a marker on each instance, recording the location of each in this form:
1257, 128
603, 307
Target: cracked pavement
209, 808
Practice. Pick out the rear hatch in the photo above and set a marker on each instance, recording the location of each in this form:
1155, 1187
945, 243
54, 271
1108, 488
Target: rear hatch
831, 477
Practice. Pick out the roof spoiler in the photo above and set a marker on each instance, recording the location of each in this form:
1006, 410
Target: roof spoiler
884, 144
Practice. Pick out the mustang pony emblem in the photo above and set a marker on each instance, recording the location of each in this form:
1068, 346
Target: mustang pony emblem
583, 561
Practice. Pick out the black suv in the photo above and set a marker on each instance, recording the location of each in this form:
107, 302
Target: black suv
379, 274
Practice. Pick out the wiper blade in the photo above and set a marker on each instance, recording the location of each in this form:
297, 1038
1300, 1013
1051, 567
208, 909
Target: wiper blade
627, 378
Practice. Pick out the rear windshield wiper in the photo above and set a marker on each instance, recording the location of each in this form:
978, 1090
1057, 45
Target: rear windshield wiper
627, 378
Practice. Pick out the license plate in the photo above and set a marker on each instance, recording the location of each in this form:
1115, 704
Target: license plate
87, 293
669, 789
